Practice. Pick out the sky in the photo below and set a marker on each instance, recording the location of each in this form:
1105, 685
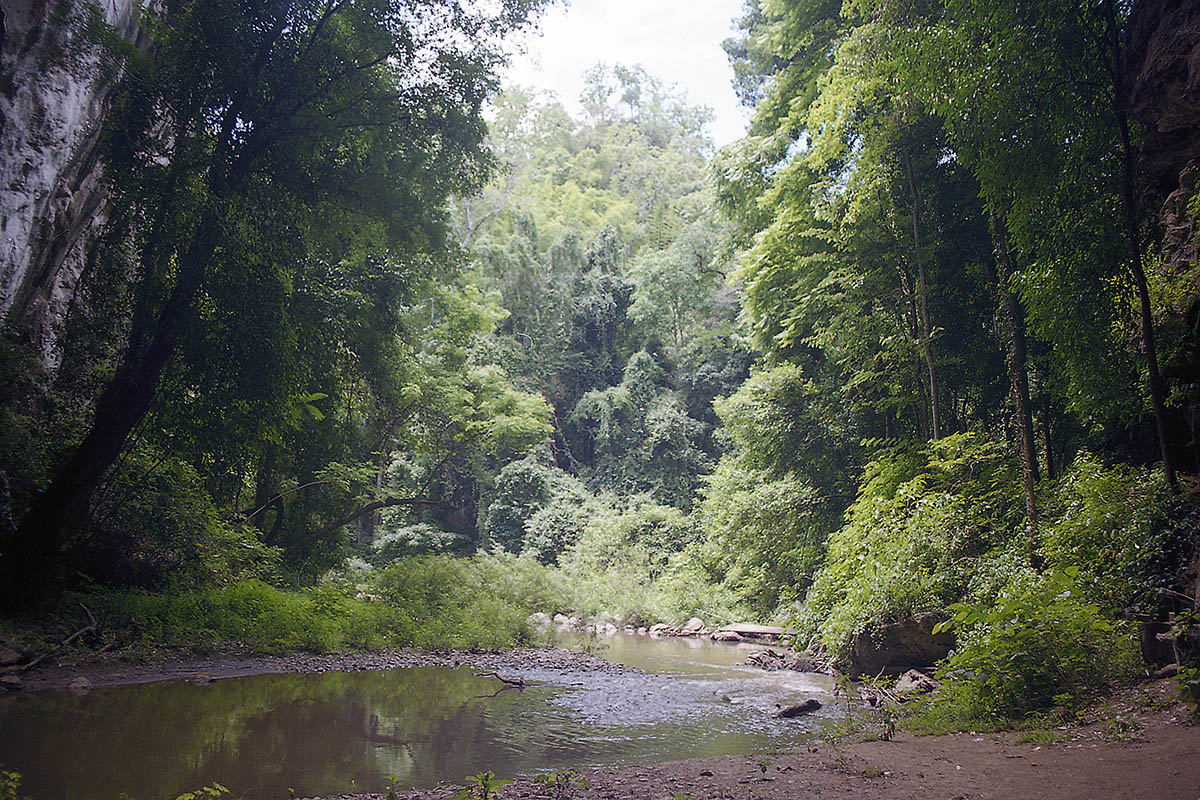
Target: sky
677, 41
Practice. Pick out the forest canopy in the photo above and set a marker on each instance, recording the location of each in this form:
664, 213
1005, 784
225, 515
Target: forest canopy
360, 331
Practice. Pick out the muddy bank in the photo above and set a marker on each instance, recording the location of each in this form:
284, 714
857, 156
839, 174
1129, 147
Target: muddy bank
1133, 748
236, 662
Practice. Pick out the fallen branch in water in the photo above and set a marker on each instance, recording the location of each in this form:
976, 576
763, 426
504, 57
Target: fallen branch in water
517, 682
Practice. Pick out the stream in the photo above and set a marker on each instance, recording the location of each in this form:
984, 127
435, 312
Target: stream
317, 734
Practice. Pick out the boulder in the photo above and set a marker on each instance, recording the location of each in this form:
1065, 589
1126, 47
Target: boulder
607, 629
540, 621
8, 657
749, 631
562, 620
10, 683
766, 659
727, 636
693, 625
642, 631
804, 661
807, 707
1169, 671
80, 684
660, 629
914, 683
899, 646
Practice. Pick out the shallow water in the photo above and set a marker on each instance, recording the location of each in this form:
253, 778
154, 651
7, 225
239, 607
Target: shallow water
328, 733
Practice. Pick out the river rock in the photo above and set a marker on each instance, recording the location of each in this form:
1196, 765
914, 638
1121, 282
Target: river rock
899, 646
914, 683
804, 661
751, 631
8, 657
807, 707
727, 636
540, 621
80, 684
693, 625
660, 629
561, 619
607, 629
642, 631
10, 683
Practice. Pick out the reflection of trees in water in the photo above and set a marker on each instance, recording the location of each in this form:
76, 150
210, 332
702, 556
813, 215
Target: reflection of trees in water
318, 733
150, 741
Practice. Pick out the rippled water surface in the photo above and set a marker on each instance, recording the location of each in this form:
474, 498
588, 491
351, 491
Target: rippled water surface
264, 736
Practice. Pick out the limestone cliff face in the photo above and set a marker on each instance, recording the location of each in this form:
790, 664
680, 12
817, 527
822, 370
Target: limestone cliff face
1162, 89
51, 195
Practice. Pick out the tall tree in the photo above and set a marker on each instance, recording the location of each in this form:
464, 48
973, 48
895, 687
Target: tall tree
258, 116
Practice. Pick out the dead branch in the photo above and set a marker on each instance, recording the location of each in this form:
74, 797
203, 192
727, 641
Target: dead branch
517, 682
91, 627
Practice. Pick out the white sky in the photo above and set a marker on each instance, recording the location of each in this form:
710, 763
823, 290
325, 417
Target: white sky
677, 41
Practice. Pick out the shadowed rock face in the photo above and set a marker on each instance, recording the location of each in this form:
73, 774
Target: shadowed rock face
1162, 91
1162, 86
51, 194
899, 646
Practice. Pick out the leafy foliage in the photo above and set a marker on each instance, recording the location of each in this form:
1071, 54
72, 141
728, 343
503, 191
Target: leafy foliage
1038, 647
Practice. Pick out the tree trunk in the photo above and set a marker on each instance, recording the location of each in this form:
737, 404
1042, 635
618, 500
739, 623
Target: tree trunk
1018, 373
1046, 437
26, 560
923, 295
1153, 375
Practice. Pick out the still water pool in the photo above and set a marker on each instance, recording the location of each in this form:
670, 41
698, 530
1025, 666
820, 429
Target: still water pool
269, 735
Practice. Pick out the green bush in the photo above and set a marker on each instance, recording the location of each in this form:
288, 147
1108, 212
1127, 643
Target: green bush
154, 525
262, 616
1114, 524
1041, 646
924, 524
764, 535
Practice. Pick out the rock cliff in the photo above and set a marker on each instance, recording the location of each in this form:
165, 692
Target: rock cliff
51, 193
1162, 91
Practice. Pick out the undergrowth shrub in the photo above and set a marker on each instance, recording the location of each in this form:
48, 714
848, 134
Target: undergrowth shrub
154, 525
266, 618
764, 534
1039, 647
1114, 524
914, 538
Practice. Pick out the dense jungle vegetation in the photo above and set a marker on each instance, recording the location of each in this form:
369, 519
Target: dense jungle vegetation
370, 353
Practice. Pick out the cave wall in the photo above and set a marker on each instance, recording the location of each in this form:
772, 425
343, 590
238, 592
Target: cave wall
51, 191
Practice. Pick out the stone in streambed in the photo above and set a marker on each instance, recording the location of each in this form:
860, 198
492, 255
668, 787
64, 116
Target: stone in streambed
807, 707
914, 683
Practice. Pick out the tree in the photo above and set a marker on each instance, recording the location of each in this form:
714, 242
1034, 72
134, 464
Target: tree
251, 121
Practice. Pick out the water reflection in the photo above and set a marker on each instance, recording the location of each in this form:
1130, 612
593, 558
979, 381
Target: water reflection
335, 732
